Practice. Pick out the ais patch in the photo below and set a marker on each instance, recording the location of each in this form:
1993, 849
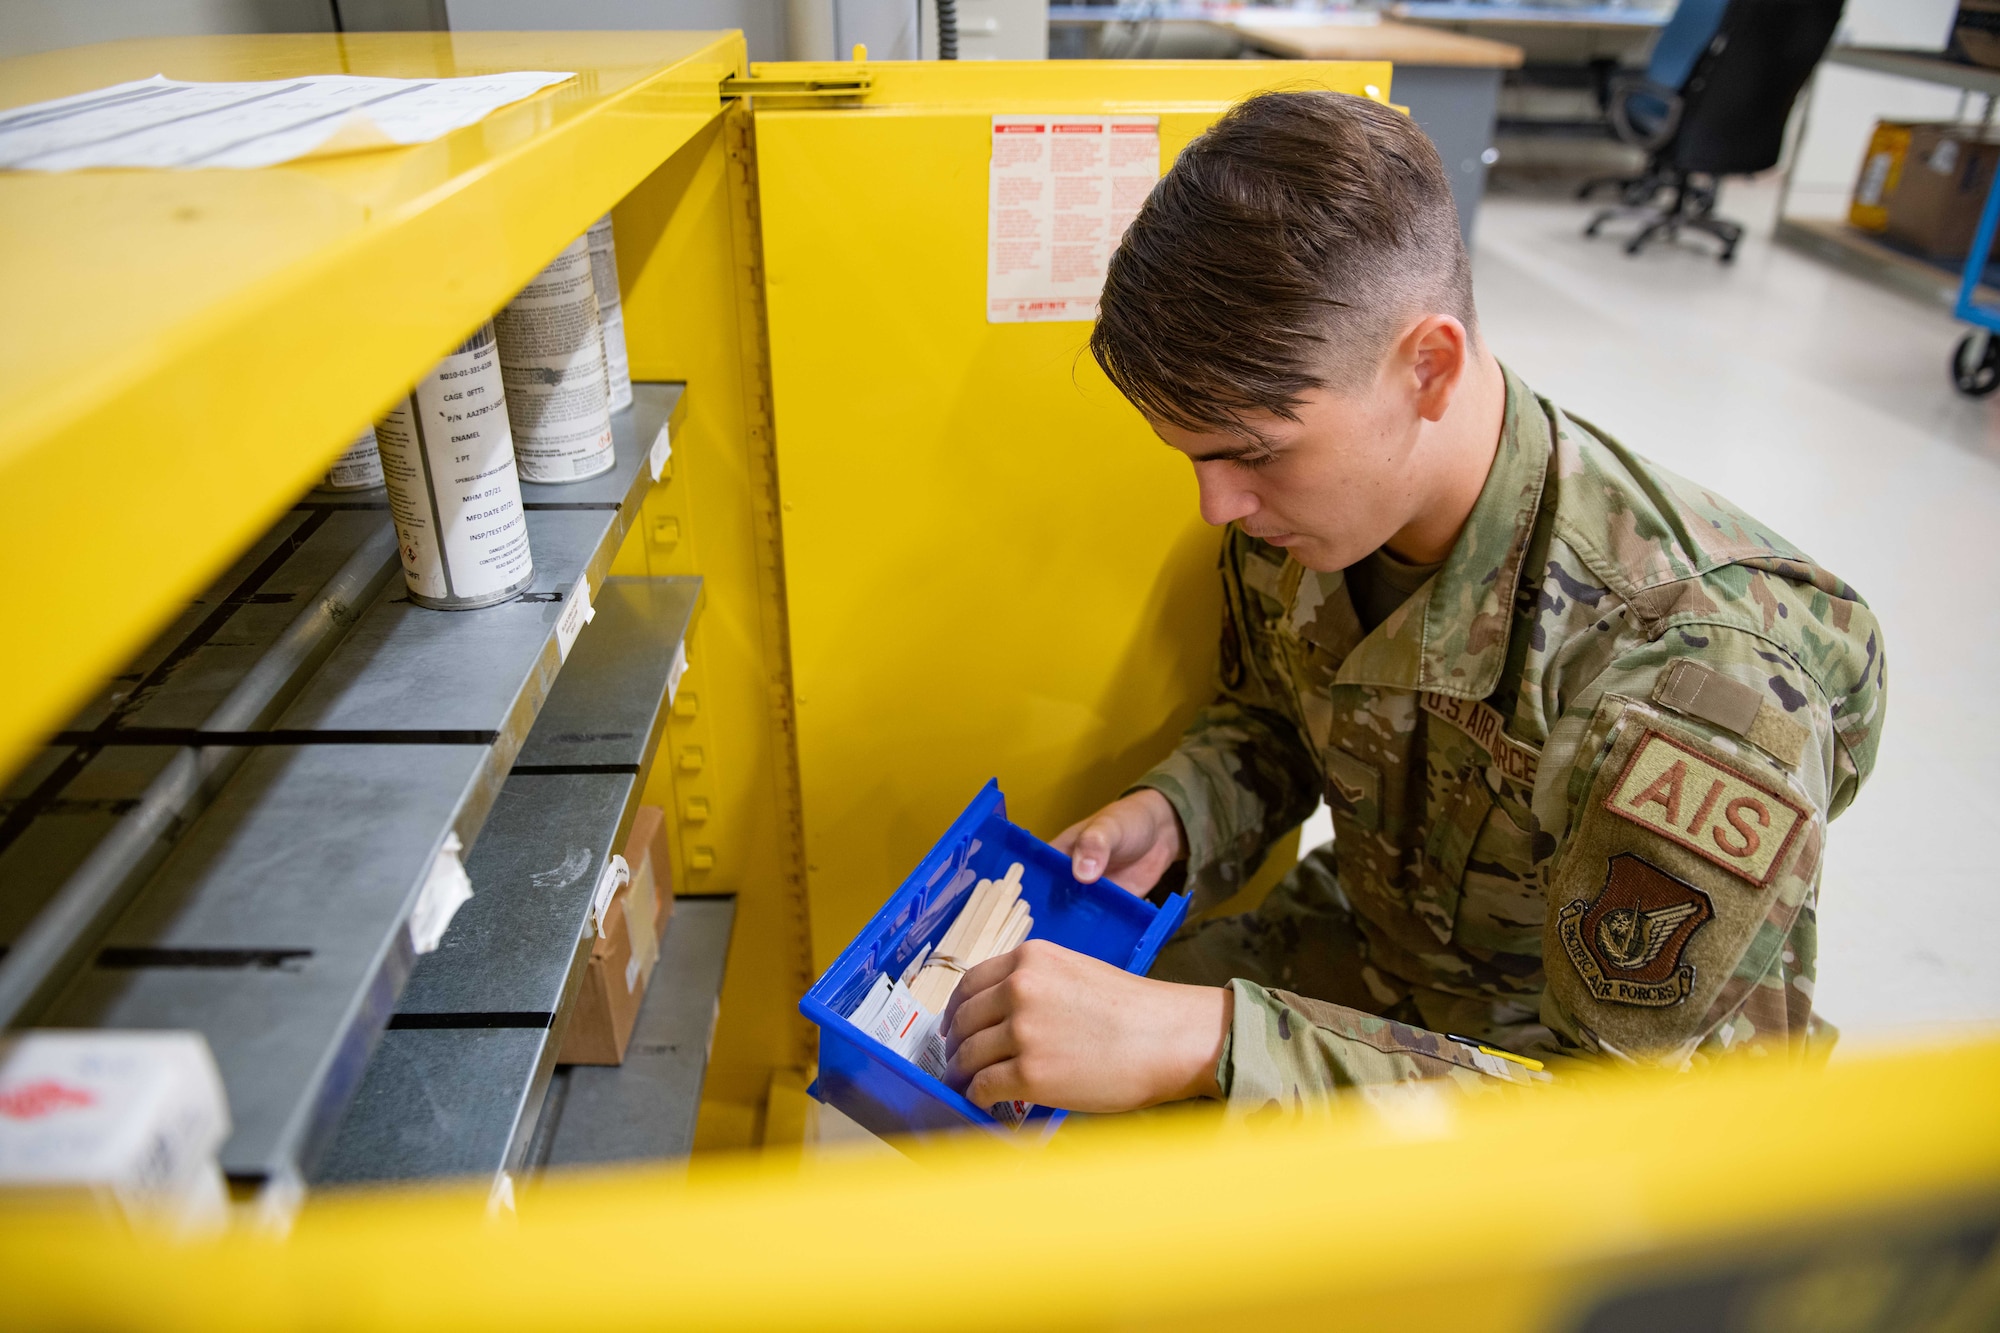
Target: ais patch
1627, 945
1714, 811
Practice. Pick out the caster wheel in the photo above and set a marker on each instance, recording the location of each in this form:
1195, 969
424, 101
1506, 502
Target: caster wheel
1975, 369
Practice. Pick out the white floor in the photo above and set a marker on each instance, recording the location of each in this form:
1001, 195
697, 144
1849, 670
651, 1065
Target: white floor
1822, 405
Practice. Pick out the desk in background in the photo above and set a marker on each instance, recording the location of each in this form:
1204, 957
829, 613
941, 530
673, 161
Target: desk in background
1547, 34
1450, 82
1551, 109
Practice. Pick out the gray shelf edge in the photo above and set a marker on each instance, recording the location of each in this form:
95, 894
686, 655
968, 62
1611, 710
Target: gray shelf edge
640, 685
1925, 67
646, 1109
1897, 274
302, 1132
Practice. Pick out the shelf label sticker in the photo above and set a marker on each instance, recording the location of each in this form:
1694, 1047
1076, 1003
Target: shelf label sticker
662, 450
615, 876
676, 671
576, 613
446, 889
1061, 191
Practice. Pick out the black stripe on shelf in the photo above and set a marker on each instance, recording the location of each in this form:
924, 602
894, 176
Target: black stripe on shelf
504, 1018
296, 736
16, 821
382, 506
218, 960
573, 770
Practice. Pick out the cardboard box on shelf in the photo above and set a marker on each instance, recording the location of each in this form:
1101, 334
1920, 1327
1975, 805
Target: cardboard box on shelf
1881, 172
614, 982
652, 868
1976, 31
627, 947
1936, 204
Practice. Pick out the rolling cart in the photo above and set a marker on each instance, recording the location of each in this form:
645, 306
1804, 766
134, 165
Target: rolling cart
1975, 362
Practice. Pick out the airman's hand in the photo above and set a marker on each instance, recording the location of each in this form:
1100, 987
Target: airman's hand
1045, 1024
1133, 840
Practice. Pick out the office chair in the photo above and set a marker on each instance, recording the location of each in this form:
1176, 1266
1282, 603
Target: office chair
1713, 102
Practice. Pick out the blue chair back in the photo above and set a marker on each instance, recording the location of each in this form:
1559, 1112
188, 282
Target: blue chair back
1682, 41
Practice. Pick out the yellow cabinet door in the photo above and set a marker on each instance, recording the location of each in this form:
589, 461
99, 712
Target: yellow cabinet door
992, 567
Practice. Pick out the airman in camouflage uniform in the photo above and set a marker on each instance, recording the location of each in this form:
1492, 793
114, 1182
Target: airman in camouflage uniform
1580, 783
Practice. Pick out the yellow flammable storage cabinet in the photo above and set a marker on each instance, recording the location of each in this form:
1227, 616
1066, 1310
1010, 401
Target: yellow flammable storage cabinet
932, 547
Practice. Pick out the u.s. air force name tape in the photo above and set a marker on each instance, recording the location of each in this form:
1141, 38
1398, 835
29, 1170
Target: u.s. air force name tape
1488, 730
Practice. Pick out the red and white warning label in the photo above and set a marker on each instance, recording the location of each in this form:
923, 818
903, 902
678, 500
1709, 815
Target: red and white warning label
1063, 190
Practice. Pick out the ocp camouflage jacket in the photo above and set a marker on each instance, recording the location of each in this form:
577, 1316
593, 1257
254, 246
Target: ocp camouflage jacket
1587, 767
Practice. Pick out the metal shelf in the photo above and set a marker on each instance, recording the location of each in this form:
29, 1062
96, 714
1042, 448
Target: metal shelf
456, 1084
211, 398
645, 1109
1833, 241
1920, 65
275, 923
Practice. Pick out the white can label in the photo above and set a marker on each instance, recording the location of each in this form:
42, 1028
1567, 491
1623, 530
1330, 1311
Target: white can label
552, 356
360, 468
448, 461
611, 310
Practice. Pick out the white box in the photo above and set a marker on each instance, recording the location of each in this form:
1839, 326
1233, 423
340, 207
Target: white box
131, 1120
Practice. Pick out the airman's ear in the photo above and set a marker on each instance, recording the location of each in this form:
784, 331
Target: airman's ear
1437, 350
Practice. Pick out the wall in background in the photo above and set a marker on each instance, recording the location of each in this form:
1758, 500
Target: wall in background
763, 21
991, 29
27, 26
1918, 24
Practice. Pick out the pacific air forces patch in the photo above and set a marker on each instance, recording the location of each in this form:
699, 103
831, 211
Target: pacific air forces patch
1627, 944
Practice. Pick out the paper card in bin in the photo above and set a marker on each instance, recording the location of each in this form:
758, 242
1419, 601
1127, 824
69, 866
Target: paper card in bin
882, 1090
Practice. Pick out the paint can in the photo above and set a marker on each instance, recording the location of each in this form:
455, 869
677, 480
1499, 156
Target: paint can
552, 359
359, 469
448, 461
610, 311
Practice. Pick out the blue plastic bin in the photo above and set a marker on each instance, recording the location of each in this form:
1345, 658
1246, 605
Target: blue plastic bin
885, 1092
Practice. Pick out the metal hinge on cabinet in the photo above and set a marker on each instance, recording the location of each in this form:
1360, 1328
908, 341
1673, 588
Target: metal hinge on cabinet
803, 83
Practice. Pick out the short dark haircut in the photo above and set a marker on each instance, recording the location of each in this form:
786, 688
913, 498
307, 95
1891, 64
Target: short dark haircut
1282, 252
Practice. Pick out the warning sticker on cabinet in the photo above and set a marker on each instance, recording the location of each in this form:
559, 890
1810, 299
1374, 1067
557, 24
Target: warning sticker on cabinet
1062, 191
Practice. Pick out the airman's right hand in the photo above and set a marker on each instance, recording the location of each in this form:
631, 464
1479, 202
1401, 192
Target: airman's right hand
1133, 840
